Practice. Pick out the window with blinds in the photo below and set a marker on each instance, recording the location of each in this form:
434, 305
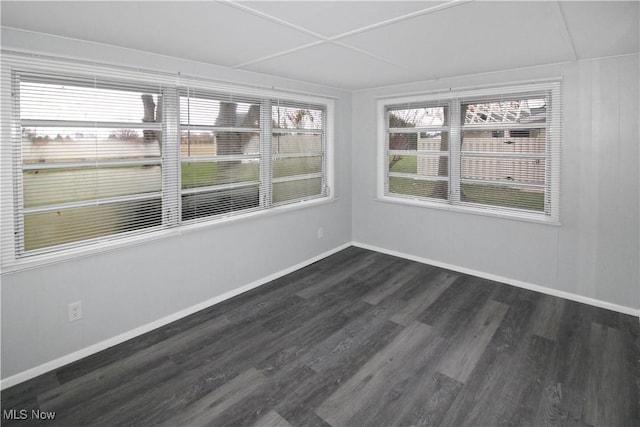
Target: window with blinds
220, 154
99, 154
90, 160
495, 150
297, 152
418, 151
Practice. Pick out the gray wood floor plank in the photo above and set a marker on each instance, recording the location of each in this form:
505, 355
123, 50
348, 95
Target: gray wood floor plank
419, 303
453, 309
115, 373
360, 339
563, 401
272, 419
547, 317
332, 373
263, 399
396, 282
608, 389
346, 343
361, 392
429, 403
351, 269
503, 390
467, 348
204, 410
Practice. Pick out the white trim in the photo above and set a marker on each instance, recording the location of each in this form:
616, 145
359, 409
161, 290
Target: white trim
513, 282
103, 345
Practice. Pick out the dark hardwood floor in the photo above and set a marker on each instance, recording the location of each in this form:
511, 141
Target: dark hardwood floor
360, 339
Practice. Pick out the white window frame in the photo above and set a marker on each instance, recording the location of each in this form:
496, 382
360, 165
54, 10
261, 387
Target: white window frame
11, 259
551, 214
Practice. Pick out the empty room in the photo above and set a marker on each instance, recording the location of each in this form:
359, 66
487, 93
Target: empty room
320, 213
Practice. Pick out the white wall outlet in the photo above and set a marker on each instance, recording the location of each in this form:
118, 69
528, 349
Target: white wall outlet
75, 311
320, 233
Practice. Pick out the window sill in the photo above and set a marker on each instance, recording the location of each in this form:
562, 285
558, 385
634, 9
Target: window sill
523, 217
64, 255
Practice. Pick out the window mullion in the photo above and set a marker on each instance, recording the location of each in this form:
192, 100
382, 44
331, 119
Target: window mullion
170, 159
266, 158
455, 143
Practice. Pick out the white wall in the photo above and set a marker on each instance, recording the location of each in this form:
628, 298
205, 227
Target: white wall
128, 288
593, 254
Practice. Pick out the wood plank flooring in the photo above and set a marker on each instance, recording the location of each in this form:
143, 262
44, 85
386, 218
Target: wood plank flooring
359, 339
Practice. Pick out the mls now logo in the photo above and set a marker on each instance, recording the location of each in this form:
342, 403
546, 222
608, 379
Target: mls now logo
23, 414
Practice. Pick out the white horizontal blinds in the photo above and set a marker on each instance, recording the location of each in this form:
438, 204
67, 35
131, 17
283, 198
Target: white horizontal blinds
298, 151
90, 159
504, 152
417, 150
220, 156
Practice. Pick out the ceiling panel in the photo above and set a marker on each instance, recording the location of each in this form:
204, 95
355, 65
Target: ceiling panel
603, 28
209, 32
331, 18
471, 38
392, 42
332, 65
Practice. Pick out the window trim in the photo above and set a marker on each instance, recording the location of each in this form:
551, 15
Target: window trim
15, 63
454, 97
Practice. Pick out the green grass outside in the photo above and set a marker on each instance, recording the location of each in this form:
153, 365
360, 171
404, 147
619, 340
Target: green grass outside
406, 164
492, 195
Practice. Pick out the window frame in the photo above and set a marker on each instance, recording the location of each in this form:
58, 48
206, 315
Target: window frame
454, 99
13, 256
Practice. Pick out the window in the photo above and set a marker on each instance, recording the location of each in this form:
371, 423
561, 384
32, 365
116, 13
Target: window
99, 155
491, 151
297, 152
219, 154
90, 166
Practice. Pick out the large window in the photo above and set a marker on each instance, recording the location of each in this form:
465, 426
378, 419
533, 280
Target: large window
90, 163
493, 151
99, 158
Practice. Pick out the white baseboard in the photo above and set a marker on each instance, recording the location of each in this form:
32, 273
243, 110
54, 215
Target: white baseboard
118, 339
530, 286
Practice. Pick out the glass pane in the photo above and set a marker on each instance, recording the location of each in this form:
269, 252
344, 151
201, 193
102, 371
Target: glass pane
207, 144
219, 202
72, 225
46, 101
285, 143
296, 166
518, 111
50, 145
530, 171
419, 187
505, 141
204, 111
203, 174
504, 196
418, 117
52, 187
422, 141
299, 189
420, 165
296, 117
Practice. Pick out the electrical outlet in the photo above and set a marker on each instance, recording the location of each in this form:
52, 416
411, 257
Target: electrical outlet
320, 233
75, 311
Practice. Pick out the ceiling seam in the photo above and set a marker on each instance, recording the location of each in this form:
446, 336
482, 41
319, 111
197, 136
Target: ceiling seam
277, 54
563, 27
275, 20
334, 39
427, 11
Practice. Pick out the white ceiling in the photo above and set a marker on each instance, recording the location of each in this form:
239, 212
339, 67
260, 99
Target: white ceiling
347, 44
